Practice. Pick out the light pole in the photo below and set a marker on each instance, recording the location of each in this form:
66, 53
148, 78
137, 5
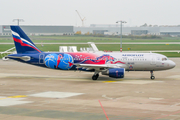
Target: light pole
18, 20
121, 22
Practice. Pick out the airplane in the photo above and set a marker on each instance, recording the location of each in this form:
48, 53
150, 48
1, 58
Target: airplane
107, 63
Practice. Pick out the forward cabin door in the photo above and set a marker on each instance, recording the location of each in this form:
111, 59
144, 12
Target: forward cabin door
153, 60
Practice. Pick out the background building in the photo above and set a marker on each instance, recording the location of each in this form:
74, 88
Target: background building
99, 31
116, 29
174, 31
139, 32
40, 30
113, 29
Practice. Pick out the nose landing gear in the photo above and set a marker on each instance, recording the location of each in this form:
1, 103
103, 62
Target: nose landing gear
152, 75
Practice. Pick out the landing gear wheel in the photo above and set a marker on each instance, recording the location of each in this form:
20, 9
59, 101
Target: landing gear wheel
95, 77
152, 77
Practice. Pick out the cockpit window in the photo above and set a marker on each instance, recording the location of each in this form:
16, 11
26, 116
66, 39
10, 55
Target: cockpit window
163, 59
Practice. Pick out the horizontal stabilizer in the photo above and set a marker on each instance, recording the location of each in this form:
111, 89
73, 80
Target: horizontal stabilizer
25, 58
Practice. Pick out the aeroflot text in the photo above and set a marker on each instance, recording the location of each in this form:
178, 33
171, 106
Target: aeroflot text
132, 55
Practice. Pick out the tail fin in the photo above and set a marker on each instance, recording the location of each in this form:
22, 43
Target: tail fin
22, 42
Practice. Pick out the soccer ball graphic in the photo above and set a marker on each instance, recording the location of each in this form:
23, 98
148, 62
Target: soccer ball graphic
50, 60
62, 61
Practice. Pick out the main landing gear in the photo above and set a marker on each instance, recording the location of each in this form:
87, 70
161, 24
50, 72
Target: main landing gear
152, 75
95, 76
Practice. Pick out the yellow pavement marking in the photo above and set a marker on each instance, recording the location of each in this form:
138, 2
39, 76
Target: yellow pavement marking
108, 81
17, 96
111, 81
2, 98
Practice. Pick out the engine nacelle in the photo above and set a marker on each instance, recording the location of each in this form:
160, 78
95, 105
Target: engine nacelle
115, 72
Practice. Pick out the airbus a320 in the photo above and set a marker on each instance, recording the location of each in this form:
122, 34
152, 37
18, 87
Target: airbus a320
107, 63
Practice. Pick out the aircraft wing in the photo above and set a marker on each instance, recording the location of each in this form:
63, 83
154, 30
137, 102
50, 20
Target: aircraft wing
98, 67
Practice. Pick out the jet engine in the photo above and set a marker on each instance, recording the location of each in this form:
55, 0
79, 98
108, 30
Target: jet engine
115, 72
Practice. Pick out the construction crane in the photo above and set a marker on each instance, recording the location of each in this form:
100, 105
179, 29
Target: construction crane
82, 19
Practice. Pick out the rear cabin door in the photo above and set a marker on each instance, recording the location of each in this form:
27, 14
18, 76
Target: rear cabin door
41, 59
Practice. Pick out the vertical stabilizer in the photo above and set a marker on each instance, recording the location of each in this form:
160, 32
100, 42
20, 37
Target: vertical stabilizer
22, 42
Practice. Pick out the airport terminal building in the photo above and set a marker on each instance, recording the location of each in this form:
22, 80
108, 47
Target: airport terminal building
94, 29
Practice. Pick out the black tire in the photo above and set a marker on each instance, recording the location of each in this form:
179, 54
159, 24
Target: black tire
152, 77
94, 77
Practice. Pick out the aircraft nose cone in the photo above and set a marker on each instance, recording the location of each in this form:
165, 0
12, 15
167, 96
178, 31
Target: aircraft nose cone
172, 64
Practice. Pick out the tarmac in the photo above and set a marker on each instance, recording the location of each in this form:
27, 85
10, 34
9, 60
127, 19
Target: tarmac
29, 92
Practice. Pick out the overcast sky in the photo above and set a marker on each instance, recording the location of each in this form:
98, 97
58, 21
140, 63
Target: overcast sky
62, 12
